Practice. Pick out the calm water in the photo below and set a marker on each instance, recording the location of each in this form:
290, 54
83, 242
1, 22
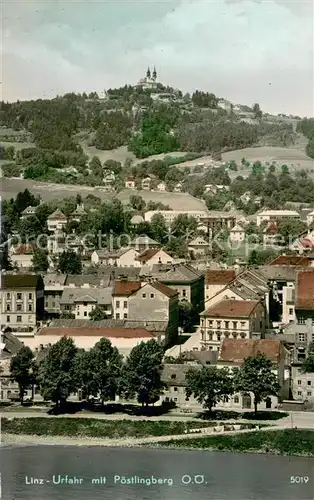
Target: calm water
226, 475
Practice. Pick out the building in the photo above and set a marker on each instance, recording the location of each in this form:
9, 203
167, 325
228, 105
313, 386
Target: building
304, 309
171, 215
136, 220
178, 187
109, 180
9, 347
80, 302
161, 186
184, 279
22, 256
56, 221
78, 213
148, 82
153, 256
238, 319
291, 260
271, 236
53, 289
144, 242
120, 297
123, 257
198, 246
146, 183
22, 302
302, 386
276, 215
237, 234
28, 212
125, 339
130, 182
217, 280
156, 302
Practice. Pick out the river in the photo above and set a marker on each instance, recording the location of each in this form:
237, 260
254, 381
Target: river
179, 475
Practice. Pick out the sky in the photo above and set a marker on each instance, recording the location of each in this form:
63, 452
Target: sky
246, 51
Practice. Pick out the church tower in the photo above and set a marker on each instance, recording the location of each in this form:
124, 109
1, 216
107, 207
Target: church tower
154, 73
148, 73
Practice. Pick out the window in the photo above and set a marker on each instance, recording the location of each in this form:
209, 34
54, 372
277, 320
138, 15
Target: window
187, 399
85, 313
173, 375
234, 335
203, 334
227, 334
202, 322
152, 295
144, 295
125, 315
210, 323
299, 393
8, 296
309, 393
236, 399
290, 310
118, 303
210, 336
30, 307
30, 296
175, 389
299, 382
19, 307
8, 307
30, 319
218, 336
309, 382
218, 325
242, 335
312, 321
242, 324
183, 293
125, 304
235, 325
175, 399
226, 325
19, 319
301, 337
117, 316
301, 320
18, 296
84, 304
8, 319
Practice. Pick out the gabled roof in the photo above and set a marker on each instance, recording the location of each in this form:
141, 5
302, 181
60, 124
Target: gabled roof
102, 296
237, 228
305, 290
219, 277
57, 215
128, 333
125, 288
230, 308
199, 241
29, 210
147, 254
11, 281
164, 289
144, 240
26, 249
175, 273
290, 260
237, 350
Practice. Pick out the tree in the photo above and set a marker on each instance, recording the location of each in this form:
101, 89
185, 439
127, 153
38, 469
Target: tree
57, 372
308, 363
186, 315
209, 385
85, 373
69, 263
97, 314
257, 111
256, 376
137, 202
158, 228
108, 369
40, 260
141, 375
23, 370
290, 229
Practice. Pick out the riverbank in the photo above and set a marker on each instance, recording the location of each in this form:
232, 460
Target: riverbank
288, 442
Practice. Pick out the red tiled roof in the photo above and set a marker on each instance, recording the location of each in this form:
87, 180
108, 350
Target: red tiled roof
23, 250
125, 287
220, 277
290, 260
147, 254
272, 228
232, 309
127, 333
306, 243
237, 350
305, 290
166, 290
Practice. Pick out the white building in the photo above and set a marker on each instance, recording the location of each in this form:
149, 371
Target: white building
276, 215
237, 234
56, 221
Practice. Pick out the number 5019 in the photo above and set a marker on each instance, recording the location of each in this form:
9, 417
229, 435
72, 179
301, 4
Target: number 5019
299, 479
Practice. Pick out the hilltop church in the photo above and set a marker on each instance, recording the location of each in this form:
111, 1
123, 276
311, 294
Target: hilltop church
149, 81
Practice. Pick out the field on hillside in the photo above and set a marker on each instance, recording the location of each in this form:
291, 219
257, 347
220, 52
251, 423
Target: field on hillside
48, 191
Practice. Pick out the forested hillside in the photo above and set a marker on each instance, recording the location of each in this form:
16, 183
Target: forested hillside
306, 127
127, 117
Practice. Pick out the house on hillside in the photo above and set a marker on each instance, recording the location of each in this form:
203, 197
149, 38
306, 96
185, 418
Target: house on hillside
56, 221
198, 246
153, 256
122, 290
78, 213
144, 242
22, 256
81, 302
237, 234
130, 182
28, 212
